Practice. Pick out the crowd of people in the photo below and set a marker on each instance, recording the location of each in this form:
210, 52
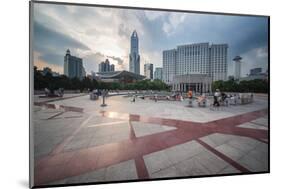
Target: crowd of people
219, 98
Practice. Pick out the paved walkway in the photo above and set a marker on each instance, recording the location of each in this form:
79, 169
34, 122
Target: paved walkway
75, 144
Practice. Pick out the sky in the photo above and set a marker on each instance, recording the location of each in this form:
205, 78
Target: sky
96, 33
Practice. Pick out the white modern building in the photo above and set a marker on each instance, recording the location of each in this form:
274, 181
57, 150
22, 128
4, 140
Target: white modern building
193, 58
198, 58
158, 73
134, 57
148, 71
73, 66
218, 62
169, 65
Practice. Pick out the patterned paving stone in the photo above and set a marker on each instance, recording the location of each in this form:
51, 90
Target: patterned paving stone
252, 164
183, 151
209, 160
156, 161
262, 121
94, 146
143, 129
243, 143
216, 139
230, 151
191, 167
229, 170
122, 171
167, 173
251, 125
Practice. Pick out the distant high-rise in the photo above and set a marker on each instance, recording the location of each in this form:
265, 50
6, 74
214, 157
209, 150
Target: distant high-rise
199, 58
73, 66
237, 62
134, 58
169, 65
106, 66
112, 68
148, 70
255, 71
158, 73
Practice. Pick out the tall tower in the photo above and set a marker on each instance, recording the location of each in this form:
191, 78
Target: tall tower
73, 66
134, 64
66, 63
237, 61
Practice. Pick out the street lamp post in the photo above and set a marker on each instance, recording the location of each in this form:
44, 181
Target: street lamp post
103, 99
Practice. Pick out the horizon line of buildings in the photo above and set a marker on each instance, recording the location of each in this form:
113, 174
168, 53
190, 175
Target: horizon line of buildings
190, 66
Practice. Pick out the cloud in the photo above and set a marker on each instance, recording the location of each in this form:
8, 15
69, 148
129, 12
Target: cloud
255, 58
262, 52
96, 33
172, 23
51, 58
51, 38
154, 15
119, 60
50, 47
42, 64
123, 31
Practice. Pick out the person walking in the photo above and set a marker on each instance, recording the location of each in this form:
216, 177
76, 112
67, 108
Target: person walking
134, 98
216, 98
189, 94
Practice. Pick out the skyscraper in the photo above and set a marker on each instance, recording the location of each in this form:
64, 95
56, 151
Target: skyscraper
158, 73
148, 70
169, 65
112, 68
106, 66
218, 62
73, 66
134, 57
199, 58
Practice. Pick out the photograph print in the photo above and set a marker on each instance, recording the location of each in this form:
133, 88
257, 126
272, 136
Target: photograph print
122, 94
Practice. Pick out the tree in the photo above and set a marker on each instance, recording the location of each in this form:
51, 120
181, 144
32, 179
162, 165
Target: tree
257, 85
87, 83
76, 84
53, 83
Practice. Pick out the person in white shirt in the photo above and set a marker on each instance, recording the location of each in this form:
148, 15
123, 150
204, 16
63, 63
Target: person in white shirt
216, 98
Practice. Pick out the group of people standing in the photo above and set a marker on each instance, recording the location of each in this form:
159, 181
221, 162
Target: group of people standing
219, 97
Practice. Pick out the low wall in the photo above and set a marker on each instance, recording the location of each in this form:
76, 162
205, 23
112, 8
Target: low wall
41, 92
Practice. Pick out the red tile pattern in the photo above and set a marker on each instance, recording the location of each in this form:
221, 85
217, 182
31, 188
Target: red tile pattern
224, 157
141, 168
56, 115
139, 161
59, 165
54, 106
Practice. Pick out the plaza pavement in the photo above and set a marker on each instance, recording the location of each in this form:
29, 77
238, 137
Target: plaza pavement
77, 141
